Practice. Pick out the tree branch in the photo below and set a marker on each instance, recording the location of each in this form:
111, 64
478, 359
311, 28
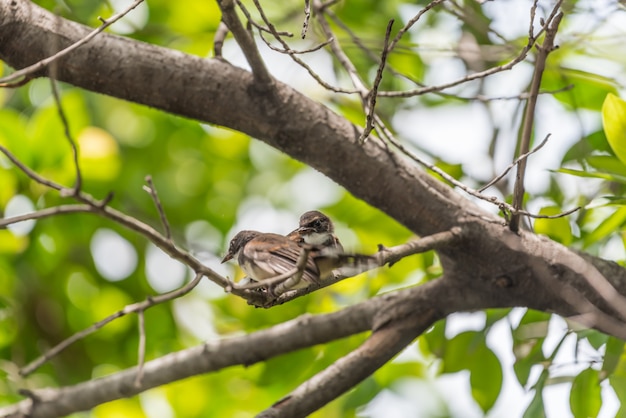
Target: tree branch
247, 44
545, 49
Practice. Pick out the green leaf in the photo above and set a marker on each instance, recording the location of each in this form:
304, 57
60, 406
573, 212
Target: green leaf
558, 229
594, 175
535, 408
485, 378
612, 355
618, 383
589, 89
460, 349
585, 399
609, 226
528, 339
494, 315
468, 351
614, 123
608, 164
596, 338
595, 141
435, 339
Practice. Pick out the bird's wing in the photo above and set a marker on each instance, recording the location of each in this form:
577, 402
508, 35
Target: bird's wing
276, 255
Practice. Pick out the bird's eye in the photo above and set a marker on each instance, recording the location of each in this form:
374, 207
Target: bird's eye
317, 223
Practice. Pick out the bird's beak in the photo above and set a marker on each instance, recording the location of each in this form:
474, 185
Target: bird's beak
227, 257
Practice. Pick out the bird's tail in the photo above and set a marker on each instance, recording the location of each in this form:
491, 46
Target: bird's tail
347, 264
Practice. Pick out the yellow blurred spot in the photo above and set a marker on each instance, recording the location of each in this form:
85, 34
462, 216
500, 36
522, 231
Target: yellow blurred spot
122, 408
98, 154
9, 186
110, 300
12, 244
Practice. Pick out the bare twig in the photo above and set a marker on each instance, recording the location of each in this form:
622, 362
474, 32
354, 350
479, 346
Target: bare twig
218, 39
16, 84
532, 38
269, 282
246, 43
529, 115
141, 355
293, 51
66, 129
40, 65
371, 103
470, 77
135, 307
503, 206
307, 17
45, 213
261, 28
394, 254
288, 50
411, 22
155, 198
385, 255
513, 164
30, 173
338, 52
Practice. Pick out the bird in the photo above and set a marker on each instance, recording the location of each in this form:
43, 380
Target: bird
263, 256
317, 229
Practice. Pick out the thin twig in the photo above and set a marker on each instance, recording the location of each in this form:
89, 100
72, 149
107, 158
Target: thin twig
529, 115
30, 173
532, 39
338, 52
16, 84
503, 206
40, 65
141, 355
514, 163
45, 213
371, 104
268, 282
411, 22
294, 51
385, 255
218, 39
287, 50
135, 307
307, 17
261, 28
157, 202
66, 129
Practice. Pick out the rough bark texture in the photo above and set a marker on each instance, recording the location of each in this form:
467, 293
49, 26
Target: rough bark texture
489, 267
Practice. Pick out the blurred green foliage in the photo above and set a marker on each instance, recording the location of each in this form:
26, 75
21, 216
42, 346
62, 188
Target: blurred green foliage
206, 177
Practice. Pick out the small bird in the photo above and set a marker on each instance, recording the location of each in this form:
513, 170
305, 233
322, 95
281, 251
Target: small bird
316, 229
263, 256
